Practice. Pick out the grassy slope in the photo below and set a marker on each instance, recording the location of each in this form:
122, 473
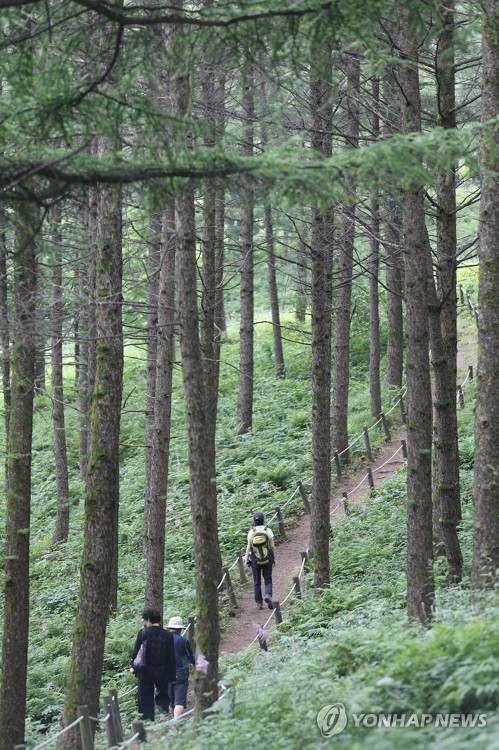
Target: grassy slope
353, 646
258, 470
254, 471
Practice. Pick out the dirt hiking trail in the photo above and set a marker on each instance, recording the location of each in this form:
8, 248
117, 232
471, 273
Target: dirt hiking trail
241, 630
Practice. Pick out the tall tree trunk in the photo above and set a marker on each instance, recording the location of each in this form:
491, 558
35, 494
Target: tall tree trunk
17, 511
219, 219
301, 283
82, 365
444, 489
102, 495
273, 293
245, 392
61, 462
420, 584
155, 507
374, 347
220, 322
4, 327
394, 262
211, 297
486, 488
321, 243
443, 318
41, 339
271, 258
153, 269
201, 456
92, 299
341, 357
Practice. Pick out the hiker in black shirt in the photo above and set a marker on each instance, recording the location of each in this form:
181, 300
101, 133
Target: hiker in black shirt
160, 664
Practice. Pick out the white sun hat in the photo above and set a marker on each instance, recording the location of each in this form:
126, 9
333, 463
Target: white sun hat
176, 622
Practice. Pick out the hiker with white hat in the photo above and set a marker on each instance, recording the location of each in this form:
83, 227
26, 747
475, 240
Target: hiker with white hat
185, 661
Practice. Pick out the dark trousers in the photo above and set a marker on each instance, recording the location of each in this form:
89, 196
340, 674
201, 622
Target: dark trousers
258, 571
149, 678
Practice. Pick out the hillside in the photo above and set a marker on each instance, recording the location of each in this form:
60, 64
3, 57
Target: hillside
353, 646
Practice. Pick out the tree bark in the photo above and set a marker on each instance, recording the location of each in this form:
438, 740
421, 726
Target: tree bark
17, 511
82, 352
444, 490
321, 261
92, 323
155, 507
271, 259
201, 455
41, 340
4, 328
246, 330
102, 495
420, 584
280, 370
211, 273
301, 283
486, 487
374, 346
153, 270
443, 318
341, 357
61, 530
394, 262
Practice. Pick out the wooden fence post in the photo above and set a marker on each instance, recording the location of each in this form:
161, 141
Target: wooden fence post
113, 695
191, 633
370, 478
112, 739
461, 294
229, 587
404, 448
296, 581
138, 728
337, 464
301, 490
345, 502
470, 372
460, 396
263, 643
367, 443
304, 556
282, 530
240, 565
86, 734
468, 299
278, 613
388, 434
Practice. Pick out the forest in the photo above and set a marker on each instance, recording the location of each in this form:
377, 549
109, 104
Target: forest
244, 248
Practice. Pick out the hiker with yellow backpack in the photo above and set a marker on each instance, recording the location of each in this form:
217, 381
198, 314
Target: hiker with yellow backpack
260, 554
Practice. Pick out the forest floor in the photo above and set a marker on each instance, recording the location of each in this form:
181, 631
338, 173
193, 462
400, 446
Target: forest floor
241, 628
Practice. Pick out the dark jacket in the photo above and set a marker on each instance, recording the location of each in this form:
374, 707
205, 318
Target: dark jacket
183, 653
160, 652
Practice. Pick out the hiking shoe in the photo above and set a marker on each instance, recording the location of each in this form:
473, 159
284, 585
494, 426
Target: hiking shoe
269, 601
259, 605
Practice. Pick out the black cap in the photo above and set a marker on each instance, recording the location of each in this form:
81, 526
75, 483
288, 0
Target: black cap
258, 518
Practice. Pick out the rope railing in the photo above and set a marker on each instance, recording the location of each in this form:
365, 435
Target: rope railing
293, 590
45, 743
359, 437
388, 460
140, 733
126, 744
